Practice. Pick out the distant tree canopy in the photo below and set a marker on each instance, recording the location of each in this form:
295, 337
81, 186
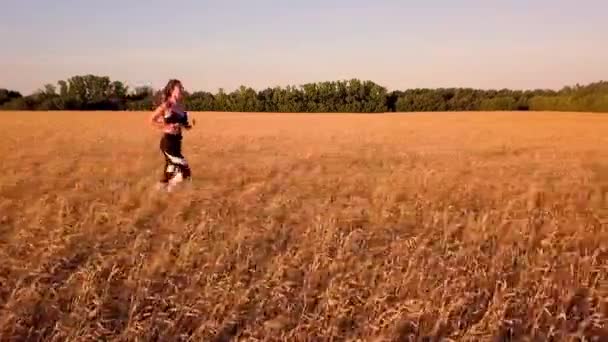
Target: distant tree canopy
8, 96
90, 92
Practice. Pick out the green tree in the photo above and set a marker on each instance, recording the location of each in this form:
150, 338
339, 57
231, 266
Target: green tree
200, 101
141, 98
244, 99
91, 92
8, 95
499, 103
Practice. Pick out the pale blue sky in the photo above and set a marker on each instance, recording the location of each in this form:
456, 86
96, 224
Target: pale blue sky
224, 43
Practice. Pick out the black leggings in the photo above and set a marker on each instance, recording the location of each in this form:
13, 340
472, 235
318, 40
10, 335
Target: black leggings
171, 148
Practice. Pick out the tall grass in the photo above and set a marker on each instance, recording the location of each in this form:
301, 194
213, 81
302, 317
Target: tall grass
306, 227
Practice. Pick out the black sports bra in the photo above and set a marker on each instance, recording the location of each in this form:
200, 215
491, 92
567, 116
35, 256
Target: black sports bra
173, 116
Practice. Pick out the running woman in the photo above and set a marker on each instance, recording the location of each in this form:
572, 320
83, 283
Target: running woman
170, 117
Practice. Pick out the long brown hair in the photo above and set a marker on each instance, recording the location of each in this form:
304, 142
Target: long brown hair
165, 94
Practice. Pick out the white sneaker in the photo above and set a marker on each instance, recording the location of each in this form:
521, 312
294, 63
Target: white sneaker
175, 181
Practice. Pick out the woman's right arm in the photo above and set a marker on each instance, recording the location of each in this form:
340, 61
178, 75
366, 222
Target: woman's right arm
157, 117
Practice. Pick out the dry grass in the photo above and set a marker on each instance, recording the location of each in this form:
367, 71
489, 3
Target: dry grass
486, 226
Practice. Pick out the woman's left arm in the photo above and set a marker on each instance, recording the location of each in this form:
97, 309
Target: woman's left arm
188, 124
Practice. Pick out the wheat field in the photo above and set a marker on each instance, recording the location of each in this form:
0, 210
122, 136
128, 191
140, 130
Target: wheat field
306, 227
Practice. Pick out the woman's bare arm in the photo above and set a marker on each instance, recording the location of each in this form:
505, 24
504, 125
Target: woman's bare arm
190, 124
157, 116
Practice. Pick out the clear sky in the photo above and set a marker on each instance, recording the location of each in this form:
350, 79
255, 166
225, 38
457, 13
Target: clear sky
397, 43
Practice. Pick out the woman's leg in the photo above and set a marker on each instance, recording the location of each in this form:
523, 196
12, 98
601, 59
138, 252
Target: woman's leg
184, 167
168, 169
177, 162
186, 172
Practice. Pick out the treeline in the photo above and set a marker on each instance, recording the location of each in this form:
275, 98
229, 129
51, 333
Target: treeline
90, 92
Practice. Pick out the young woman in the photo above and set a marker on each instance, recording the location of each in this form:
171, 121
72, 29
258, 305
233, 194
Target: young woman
170, 117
